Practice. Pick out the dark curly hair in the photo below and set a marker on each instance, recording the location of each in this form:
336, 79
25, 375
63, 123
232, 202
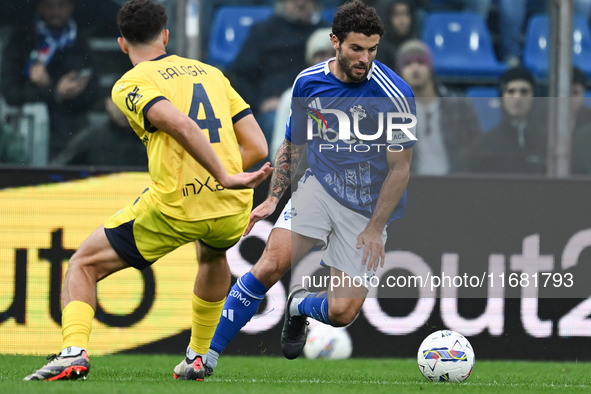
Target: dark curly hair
357, 17
140, 21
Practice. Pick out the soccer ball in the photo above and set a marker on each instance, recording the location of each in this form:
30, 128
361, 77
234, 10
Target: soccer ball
328, 342
446, 356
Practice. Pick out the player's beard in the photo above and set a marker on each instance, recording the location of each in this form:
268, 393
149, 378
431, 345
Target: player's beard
348, 69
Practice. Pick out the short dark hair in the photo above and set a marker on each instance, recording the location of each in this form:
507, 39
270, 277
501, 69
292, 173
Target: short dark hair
579, 77
357, 17
140, 21
516, 73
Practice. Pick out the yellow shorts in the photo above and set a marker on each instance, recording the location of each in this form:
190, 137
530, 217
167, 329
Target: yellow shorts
141, 234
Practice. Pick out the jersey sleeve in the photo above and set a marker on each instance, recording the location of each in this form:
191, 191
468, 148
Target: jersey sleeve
134, 98
405, 135
238, 107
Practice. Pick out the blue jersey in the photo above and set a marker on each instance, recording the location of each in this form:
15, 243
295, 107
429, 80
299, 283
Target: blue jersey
348, 128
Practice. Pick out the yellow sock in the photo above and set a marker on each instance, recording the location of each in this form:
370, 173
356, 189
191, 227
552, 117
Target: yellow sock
76, 324
204, 320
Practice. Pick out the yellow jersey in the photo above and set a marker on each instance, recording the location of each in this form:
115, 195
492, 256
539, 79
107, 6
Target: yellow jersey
181, 188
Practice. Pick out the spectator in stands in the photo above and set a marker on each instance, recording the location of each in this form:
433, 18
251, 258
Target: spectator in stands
481, 7
94, 18
581, 125
423, 7
272, 56
512, 17
512, 21
518, 143
581, 115
318, 48
47, 61
447, 127
400, 28
107, 141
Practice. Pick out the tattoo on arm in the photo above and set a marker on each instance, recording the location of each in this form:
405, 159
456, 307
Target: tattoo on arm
288, 156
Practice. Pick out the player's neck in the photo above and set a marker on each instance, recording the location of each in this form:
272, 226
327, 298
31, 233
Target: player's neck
141, 52
145, 53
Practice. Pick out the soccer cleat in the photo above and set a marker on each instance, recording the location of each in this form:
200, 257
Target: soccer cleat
63, 368
295, 329
191, 369
208, 370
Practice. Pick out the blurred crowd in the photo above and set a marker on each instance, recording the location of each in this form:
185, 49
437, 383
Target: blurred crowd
56, 52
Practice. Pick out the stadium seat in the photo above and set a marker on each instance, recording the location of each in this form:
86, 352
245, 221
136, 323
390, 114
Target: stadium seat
537, 40
487, 104
230, 28
462, 47
328, 14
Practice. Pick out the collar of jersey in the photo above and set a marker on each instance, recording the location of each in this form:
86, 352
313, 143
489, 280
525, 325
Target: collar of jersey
160, 57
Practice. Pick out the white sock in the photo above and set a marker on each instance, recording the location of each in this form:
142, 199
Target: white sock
191, 354
71, 351
293, 305
212, 359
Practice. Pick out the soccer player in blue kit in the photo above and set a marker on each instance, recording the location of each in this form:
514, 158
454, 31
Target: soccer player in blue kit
350, 192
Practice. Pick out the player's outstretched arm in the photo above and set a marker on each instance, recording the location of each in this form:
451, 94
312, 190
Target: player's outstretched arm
166, 117
251, 140
394, 185
288, 156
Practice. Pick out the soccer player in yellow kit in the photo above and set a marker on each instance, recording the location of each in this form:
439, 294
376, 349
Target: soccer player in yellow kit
199, 135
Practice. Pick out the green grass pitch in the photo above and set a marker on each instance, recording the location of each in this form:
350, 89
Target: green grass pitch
148, 374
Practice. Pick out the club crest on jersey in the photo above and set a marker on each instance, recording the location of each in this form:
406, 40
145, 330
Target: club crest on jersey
358, 111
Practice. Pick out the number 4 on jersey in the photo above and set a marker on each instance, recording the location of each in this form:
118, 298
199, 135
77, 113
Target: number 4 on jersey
211, 123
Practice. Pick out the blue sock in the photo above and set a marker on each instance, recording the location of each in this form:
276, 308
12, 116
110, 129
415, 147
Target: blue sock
240, 306
315, 305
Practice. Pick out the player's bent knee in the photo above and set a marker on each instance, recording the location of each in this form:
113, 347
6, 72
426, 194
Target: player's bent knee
93, 266
79, 266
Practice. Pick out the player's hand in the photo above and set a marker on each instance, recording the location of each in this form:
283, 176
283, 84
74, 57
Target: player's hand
374, 251
261, 212
248, 180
